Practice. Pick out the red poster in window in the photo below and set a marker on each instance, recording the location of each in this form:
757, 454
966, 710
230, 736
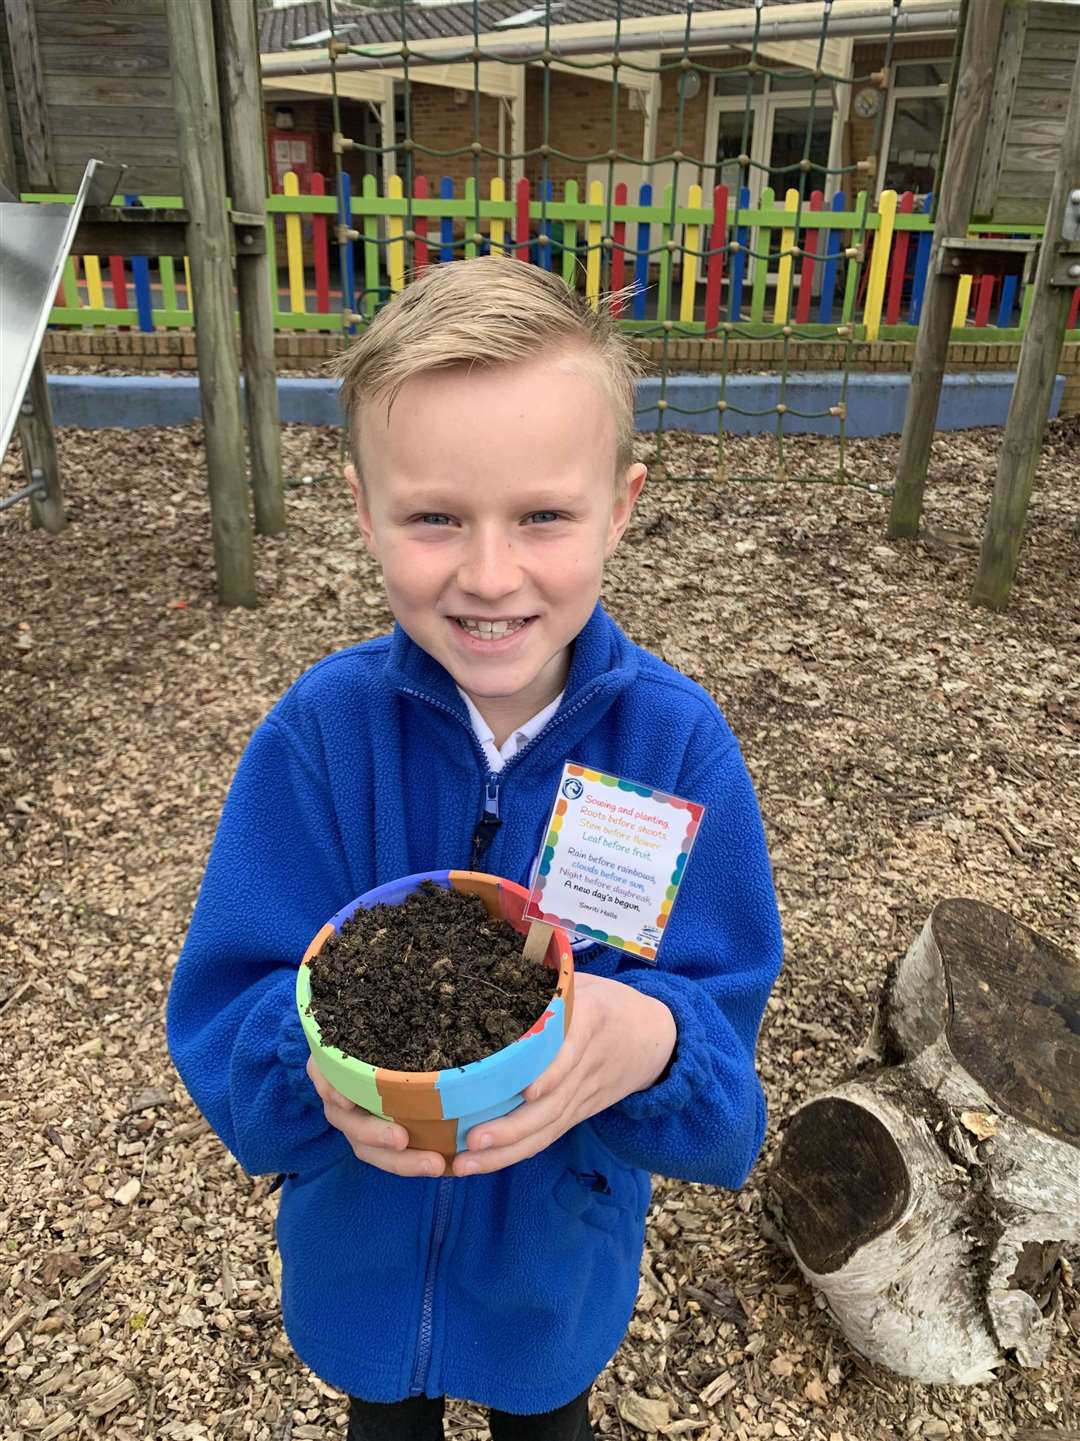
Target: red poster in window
290, 150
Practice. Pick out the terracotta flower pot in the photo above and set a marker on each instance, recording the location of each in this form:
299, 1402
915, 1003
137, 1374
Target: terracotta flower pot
438, 1108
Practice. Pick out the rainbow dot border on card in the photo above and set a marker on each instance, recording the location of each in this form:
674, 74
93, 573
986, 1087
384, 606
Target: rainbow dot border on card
547, 855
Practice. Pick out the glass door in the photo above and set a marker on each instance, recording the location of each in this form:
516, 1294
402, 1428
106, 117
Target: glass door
737, 124
780, 119
798, 131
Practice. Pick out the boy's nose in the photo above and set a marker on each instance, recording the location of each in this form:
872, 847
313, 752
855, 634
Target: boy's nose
489, 568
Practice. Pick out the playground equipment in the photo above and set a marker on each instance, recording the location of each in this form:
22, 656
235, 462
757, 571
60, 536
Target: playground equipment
790, 261
1013, 150
200, 56
35, 241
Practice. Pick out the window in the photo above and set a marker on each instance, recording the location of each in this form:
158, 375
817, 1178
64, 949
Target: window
914, 124
775, 118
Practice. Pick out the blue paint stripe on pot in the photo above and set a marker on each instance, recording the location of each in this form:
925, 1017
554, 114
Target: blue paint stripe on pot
875, 401
477, 1118
498, 1080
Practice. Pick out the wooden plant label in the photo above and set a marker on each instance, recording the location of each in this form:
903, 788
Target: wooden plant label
613, 859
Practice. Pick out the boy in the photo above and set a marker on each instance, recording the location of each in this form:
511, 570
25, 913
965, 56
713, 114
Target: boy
491, 419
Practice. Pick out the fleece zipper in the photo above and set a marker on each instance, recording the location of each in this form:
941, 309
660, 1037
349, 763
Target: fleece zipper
489, 822
443, 1200
490, 819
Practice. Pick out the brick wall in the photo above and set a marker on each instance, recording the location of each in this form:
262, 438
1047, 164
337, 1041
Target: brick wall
175, 350
440, 121
579, 123
694, 111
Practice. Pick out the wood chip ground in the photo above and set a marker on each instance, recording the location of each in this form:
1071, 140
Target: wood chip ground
904, 745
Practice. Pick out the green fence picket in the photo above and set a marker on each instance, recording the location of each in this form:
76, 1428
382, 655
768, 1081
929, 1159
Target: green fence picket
569, 256
369, 205
851, 286
761, 242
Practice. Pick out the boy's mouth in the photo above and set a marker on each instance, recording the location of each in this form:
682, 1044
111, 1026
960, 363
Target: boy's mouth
490, 629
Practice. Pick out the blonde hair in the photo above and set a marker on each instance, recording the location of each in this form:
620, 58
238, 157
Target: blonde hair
487, 312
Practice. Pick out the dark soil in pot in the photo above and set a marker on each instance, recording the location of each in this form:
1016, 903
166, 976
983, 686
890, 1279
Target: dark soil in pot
429, 984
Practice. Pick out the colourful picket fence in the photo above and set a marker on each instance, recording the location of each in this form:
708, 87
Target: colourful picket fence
795, 264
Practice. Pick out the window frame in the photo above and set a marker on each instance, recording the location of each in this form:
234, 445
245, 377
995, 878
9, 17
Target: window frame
908, 92
763, 108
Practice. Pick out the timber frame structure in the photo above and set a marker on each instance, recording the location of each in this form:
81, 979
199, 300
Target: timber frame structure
206, 51
1013, 152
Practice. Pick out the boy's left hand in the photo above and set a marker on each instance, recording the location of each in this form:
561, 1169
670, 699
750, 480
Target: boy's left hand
619, 1042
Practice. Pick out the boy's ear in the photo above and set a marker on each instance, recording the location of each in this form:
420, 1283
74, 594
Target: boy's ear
627, 491
363, 515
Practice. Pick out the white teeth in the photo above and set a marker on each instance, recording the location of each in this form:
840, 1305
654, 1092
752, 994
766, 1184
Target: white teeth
489, 629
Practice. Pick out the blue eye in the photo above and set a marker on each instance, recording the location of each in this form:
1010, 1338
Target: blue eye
544, 516
434, 518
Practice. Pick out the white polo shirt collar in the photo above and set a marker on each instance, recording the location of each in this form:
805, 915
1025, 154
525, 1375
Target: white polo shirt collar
497, 756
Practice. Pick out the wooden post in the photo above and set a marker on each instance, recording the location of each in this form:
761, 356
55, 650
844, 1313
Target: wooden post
1030, 403
29, 86
240, 87
40, 460
36, 436
955, 190
8, 173
202, 170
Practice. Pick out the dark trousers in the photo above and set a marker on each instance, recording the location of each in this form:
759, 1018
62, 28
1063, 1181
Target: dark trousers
419, 1418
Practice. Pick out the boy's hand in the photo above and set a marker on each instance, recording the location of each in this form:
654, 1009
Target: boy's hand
619, 1042
380, 1142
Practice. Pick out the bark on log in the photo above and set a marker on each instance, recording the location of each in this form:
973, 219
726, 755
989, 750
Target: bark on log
928, 1195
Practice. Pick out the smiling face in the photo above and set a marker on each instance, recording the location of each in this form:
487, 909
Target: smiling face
490, 500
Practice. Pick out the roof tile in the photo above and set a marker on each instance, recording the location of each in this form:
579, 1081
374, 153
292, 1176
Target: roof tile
282, 27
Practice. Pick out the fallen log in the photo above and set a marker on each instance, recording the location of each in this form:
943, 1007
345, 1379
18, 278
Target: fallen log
927, 1196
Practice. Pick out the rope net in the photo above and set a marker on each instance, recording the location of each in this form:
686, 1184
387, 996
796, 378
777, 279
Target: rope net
734, 254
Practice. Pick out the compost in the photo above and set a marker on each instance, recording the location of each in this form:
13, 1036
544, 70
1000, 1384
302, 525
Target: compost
431, 983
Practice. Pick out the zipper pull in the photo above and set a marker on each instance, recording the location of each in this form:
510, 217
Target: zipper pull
488, 824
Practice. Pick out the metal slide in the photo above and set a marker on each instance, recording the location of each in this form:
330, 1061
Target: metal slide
35, 241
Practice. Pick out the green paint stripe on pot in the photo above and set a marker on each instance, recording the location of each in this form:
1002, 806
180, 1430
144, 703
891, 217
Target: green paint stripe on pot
354, 1079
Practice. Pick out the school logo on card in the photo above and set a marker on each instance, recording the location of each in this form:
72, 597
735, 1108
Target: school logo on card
572, 789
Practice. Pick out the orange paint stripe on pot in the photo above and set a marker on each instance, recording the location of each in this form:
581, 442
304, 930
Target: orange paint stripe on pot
409, 1096
476, 883
438, 1136
318, 943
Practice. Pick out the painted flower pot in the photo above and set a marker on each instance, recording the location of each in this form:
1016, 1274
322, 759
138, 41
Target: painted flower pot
438, 1108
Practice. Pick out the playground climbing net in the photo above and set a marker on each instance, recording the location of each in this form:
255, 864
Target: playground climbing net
706, 271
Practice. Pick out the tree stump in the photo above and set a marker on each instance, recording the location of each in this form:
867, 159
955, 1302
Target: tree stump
927, 1196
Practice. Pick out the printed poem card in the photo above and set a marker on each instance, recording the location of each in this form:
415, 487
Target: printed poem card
613, 858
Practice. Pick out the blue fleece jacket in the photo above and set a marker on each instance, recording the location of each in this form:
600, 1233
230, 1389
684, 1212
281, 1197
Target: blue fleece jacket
514, 1289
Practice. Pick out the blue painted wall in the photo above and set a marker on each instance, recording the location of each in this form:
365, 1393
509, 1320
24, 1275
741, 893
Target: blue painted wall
875, 401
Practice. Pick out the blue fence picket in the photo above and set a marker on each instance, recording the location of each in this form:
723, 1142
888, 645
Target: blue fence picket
348, 280
1009, 287
140, 274
543, 252
833, 246
922, 263
641, 262
446, 224
738, 260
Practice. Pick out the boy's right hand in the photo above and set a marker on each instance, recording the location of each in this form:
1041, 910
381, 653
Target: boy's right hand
380, 1142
